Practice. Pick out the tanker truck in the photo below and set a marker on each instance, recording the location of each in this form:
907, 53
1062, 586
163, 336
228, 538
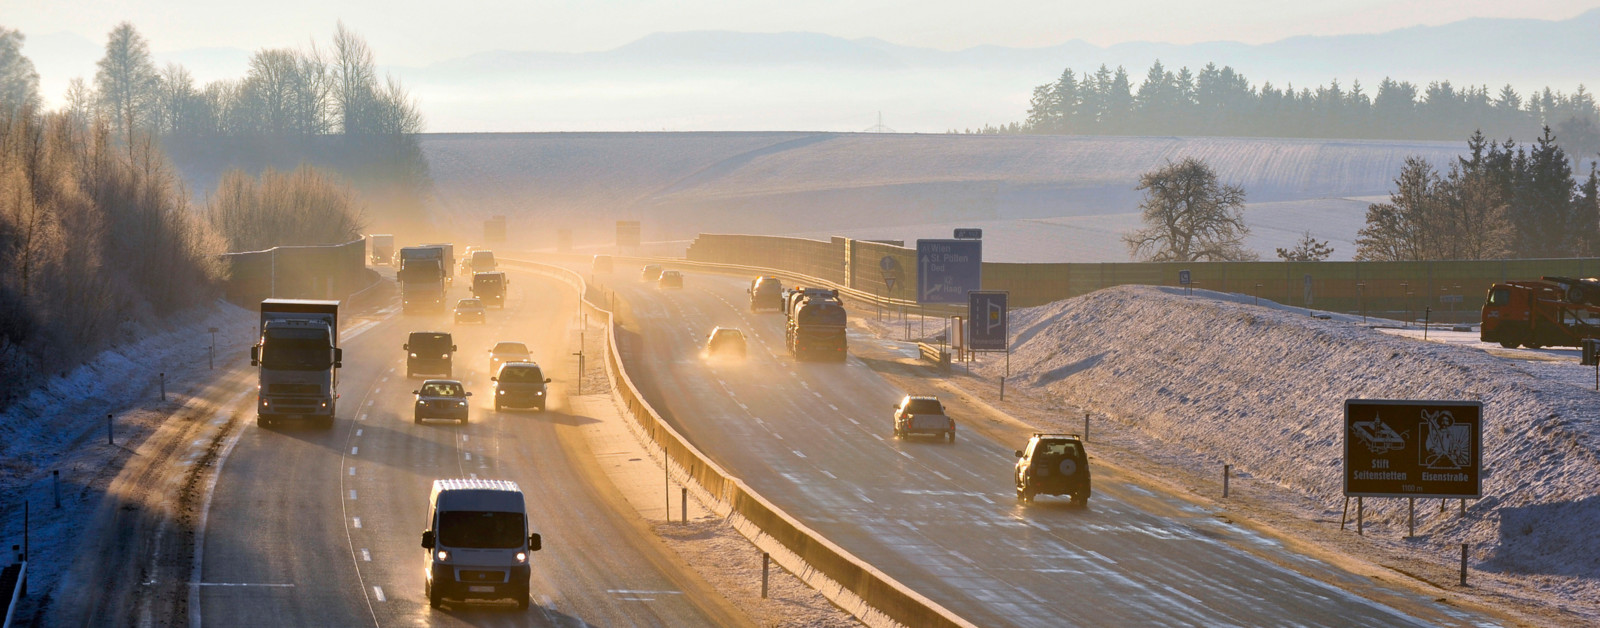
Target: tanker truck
816, 326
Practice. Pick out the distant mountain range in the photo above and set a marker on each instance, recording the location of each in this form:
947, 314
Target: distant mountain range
711, 80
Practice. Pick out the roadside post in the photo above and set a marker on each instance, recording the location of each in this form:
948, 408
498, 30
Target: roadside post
1361, 301
109, 440
1186, 280
1427, 318
212, 353
1591, 357
163, 386
766, 562
1225, 472
580, 370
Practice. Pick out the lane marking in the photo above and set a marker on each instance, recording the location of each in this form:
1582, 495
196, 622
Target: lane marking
353, 450
243, 584
355, 522
358, 432
377, 592
366, 555
361, 417
468, 455
352, 470
797, 453
352, 493
825, 472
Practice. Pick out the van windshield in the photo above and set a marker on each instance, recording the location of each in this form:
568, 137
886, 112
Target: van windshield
429, 343
481, 529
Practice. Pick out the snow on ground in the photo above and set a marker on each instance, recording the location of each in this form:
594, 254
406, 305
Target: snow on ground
61, 426
1214, 379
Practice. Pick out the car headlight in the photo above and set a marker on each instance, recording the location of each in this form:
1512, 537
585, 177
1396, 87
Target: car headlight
421, 402
522, 557
501, 392
462, 404
540, 393
413, 355
442, 554
445, 356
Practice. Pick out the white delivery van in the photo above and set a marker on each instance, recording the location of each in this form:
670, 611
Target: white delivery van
478, 542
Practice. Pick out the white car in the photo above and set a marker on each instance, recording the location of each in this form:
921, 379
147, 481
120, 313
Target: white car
508, 352
471, 311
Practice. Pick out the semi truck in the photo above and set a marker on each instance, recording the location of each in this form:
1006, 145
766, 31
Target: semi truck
381, 246
490, 288
816, 325
299, 358
449, 259
1550, 312
422, 279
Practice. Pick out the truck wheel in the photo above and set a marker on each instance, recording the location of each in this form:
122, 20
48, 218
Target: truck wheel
522, 600
1509, 344
262, 421
1027, 493
497, 406
416, 418
435, 598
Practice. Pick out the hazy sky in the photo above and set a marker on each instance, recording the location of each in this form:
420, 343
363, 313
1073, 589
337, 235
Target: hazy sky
419, 32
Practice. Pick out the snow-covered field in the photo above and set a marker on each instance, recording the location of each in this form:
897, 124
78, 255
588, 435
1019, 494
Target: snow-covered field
1210, 379
1039, 198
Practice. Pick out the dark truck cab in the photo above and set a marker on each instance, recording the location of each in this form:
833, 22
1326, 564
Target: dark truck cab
1052, 464
429, 353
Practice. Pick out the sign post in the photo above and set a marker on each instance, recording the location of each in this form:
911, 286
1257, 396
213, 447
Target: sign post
1187, 280
948, 269
1412, 448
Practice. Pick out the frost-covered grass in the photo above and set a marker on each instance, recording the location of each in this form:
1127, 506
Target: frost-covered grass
1262, 388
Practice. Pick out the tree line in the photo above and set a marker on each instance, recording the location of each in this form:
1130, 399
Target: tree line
1500, 201
1221, 101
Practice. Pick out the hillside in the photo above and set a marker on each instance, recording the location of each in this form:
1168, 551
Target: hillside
1039, 198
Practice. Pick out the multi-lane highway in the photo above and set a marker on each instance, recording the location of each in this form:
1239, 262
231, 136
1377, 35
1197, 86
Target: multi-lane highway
815, 439
322, 528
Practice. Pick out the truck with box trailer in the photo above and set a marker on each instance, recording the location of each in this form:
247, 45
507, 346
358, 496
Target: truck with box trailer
298, 356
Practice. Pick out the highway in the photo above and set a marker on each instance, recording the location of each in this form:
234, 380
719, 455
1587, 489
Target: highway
815, 439
322, 528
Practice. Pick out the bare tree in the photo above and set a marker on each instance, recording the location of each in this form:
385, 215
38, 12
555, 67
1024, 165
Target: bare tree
304, 207
81, 100
1308, 249
19, 83
174, 109
127, 80
355, 79
1399, 230
1189, 216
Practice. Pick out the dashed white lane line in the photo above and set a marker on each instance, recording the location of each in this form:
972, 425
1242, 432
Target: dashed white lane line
940, 474
852, 420
377, 389
355, 522
468, 455
463, 438
835, 408
361, 417
825, 472
370, 402
353, 450
797, 453
352, 493
472, 475
358, 432
377, 592
366, 555
386, 377
352, 470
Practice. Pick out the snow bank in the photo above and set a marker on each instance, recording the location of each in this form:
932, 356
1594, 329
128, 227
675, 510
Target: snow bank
1262, 388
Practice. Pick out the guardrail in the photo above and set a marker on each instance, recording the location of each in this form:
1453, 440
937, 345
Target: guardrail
935, 354
19, 589
872, 596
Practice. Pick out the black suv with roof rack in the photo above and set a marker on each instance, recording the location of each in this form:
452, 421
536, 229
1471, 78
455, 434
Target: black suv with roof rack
1053, 464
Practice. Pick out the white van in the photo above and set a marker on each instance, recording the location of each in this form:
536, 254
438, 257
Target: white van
478, 542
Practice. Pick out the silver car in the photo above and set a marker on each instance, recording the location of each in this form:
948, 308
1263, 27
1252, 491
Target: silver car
441, 399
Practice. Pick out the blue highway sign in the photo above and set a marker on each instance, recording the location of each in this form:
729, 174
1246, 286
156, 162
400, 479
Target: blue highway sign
989, 321
948, 269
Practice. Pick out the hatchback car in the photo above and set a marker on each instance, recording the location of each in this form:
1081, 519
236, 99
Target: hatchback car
441, 399
916, 415
652, 272
471, 311
504, 352
726, 341
1052, 464
520, 385
670, 279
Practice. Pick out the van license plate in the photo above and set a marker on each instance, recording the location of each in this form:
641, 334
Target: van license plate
480, 589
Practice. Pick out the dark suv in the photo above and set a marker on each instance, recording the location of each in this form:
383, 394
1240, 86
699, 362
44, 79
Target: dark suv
1053, 464
429, 353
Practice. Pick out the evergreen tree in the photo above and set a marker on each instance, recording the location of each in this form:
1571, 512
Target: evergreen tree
1309, 249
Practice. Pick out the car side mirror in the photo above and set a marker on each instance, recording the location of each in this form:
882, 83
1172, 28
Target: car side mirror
494, 379
535, 542
416, 392
546, 380
452, 347
405, 347
469, 394
427, 539
1019, 453
338, 358
255, 355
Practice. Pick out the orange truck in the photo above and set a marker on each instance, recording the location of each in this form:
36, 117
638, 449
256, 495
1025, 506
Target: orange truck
1550, 312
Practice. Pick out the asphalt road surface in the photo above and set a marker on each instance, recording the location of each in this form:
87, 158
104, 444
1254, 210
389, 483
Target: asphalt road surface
322, 528
943, 518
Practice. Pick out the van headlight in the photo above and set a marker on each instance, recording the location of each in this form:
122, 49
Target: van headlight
442, 555
500, 392
445, 356
522, 557
540, 393
413, 355
462, 404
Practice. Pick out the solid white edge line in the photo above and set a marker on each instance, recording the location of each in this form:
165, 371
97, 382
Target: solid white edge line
196, 566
